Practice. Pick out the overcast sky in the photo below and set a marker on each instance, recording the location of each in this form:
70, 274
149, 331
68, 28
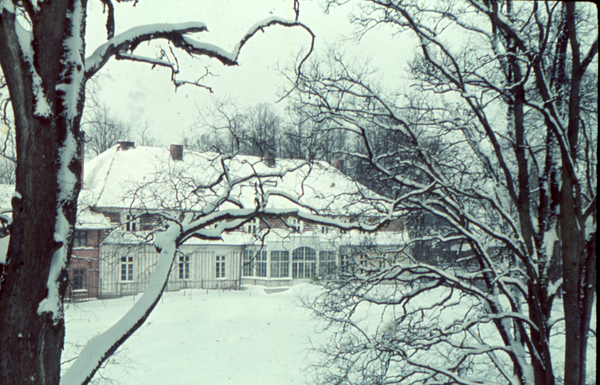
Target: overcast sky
137, 94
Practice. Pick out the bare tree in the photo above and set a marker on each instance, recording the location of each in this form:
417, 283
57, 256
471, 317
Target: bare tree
254, 131
224, 128
46, 69
262, 125
102, 129
143, 135
499, 143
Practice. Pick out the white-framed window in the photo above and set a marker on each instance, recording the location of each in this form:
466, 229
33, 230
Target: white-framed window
280, 264
347, 262
79, 238
184, 267
261, 264
132, 223
327, 263
79, 279
295, 224
304, 261
220, 266
382, 262
127, 268
364, 260
248, 268
255, 263
253, 226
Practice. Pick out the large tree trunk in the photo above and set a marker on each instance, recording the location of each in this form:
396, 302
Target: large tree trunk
44, 209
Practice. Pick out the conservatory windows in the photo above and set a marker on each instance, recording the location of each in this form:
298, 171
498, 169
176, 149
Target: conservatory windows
248, 270
261, 264
347, 263
255, 263
327, 263
184, 267
127, 268
280, 264
220, 267
304, 262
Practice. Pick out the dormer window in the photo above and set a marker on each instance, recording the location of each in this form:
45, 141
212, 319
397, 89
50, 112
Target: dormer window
253, 226
132, 223
295, 224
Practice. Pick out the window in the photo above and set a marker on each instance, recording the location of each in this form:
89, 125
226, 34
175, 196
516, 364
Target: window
364, 261
248, 263
253, 226
347, 263
327, 263
126, 268
80, 238
184, 267
382, 262
220, 267
280, 264
114, 217
131, 224
79, 279
255, 263
261, 264
303, 262
294, 224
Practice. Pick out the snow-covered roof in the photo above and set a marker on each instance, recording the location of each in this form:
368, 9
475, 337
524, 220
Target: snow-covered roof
147, 178
86, 218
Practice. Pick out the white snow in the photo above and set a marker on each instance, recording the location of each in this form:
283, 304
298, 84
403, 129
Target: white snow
248, 336
95, 60
4, 248
8, 5
42, 108
127, 179
75, 48
95, 351
197, 337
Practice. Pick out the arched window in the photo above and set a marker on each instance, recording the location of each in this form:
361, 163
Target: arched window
304, 262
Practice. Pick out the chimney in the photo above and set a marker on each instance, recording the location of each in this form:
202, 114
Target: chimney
338, 164
125, 145
269, 159
176, 152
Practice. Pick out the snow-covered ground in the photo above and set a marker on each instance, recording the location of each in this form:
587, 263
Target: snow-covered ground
194, 337
223, 337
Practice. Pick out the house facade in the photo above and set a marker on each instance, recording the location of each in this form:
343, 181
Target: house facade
130, 192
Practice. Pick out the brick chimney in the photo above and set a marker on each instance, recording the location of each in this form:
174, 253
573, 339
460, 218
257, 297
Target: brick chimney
176, 152
269, 159
125, 145
338, 164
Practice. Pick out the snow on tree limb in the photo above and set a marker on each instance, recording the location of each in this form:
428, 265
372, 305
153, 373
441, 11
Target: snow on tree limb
100, 348
177, 34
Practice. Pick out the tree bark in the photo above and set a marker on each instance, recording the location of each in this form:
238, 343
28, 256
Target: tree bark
32, 340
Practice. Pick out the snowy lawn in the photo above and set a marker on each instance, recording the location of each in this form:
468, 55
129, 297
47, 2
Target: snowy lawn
231, 337
195, 337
